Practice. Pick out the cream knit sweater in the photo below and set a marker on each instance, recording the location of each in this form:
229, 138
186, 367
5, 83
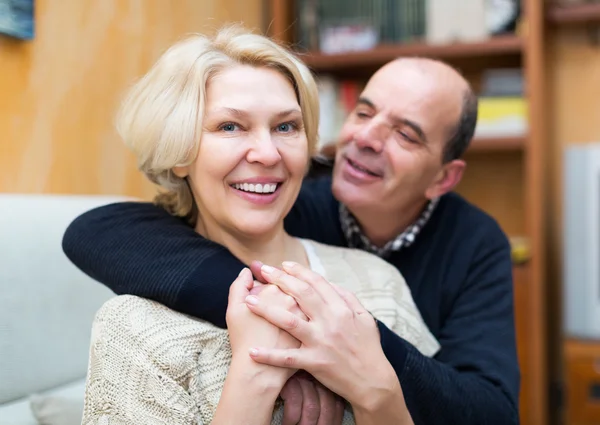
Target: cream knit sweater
151, 365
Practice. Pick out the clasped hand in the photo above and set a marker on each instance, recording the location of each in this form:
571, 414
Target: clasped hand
306, 401
339, 338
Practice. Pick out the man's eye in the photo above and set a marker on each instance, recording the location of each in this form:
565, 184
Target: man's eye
407, 137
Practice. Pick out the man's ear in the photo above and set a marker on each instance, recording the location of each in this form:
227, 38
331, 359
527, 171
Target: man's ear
180, 171
447, 179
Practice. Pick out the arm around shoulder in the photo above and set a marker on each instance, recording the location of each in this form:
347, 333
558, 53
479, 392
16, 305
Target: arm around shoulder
475, 377
138, 248
118, 243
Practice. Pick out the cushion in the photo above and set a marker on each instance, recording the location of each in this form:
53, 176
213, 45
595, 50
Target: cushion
61, 406
56, 410
17, 413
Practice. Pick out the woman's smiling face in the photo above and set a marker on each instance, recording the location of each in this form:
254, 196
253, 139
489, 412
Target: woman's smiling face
253, 153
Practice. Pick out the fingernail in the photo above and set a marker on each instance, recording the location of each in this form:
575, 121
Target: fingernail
288, 264
251, 299
267, 269
253, 352
242, 272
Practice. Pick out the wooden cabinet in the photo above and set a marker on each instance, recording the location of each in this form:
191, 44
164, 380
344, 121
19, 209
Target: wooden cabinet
582, 382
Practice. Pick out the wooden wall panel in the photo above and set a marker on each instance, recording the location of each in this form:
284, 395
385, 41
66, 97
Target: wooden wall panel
59, 92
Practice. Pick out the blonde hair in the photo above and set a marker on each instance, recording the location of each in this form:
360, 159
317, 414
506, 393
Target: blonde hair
160, 119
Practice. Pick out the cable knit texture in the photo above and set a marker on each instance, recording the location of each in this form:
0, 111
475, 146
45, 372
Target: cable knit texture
152, 365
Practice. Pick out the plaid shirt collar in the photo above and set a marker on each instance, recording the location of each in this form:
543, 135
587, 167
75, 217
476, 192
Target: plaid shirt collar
357, 239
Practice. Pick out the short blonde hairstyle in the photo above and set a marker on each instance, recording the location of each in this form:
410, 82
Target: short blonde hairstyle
160, 119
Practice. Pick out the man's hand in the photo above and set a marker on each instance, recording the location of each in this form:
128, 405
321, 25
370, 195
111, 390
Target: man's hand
308, 402
340, 339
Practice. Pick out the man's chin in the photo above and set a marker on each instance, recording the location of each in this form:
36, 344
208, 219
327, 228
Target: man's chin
352, 196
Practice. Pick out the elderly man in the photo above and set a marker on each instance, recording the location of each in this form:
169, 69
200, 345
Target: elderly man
398, 160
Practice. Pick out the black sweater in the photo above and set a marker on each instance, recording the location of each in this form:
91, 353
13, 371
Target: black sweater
459, 270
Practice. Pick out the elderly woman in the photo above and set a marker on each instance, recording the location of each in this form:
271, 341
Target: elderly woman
226, 126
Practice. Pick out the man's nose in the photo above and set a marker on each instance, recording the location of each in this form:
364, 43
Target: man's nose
370, 136
264, 150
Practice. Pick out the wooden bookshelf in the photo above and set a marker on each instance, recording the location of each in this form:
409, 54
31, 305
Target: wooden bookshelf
495, 46
576, 369
498, 144
572, 15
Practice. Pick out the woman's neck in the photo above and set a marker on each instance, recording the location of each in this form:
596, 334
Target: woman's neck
272, 249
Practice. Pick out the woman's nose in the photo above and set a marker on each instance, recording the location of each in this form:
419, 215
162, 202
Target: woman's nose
264, 151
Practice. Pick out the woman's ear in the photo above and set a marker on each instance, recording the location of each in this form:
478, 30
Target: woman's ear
180, 171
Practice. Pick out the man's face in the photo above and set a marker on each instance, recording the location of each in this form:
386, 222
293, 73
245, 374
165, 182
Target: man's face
390, 150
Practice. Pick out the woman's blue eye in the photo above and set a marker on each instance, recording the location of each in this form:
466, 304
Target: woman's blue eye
285, 127
228, 127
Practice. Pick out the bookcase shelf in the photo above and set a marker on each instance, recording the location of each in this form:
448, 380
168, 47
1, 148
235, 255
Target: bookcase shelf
494, 46
497, 144
571, 15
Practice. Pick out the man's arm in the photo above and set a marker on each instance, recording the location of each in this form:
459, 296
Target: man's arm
139, 249
475, 377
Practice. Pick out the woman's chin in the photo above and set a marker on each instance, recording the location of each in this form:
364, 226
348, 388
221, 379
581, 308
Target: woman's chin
256, 227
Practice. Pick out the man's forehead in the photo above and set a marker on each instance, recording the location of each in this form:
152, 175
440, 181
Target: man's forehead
411, 94
430, 97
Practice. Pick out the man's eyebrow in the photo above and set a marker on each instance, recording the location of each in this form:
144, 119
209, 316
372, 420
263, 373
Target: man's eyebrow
416, 127
396, 120
365, 101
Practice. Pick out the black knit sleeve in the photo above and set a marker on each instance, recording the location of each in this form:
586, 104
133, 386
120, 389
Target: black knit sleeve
475, 377
139, 249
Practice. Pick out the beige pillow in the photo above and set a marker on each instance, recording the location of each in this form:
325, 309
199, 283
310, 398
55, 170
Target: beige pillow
56, 410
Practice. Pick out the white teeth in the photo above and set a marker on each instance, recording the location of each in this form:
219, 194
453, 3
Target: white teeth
362, 169
256, 188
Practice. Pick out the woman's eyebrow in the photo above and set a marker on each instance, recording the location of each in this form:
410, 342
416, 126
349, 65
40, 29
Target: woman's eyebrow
289, 112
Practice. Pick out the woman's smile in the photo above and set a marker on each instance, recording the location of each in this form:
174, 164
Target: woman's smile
258, 193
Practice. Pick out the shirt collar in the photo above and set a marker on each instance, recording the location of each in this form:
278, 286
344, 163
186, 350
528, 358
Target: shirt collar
357, 239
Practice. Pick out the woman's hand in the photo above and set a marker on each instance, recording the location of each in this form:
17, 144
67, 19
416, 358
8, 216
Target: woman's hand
340, 339
251, 389
247, 330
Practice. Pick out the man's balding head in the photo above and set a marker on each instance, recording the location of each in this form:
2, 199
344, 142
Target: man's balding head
443, 75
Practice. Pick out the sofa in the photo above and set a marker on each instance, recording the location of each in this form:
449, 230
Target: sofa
47, 306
